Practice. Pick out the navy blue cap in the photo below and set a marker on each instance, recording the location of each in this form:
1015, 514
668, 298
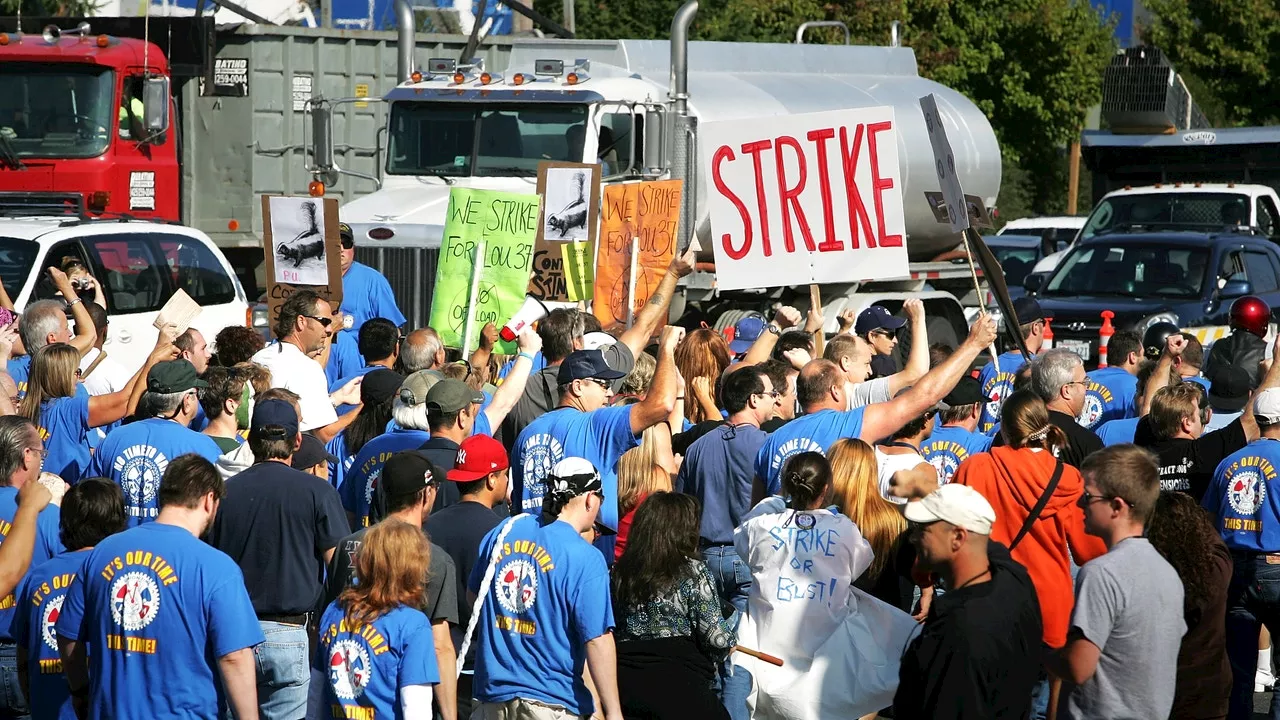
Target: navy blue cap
583, 364
746, 332
876, 317
274, 418
1027, 310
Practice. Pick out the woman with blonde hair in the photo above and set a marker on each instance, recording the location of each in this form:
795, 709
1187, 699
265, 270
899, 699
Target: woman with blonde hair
375, 645
642, 471
64, 412
703, 353
856, 492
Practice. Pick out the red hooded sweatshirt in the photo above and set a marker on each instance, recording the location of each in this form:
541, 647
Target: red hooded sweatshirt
1013, 481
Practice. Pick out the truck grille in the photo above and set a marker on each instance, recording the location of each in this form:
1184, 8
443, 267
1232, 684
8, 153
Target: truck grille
33, 203
411, 271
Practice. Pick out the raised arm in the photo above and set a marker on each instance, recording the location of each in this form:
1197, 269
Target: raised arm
918, 358
1174, 345
1269, 380
661, 398
783, 318
654, 314
86, 333
511, 389
106, 409
882, 419
15, 551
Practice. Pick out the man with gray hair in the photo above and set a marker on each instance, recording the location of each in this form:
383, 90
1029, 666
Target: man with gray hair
136, 455
422, 350
44, 322
1058, 377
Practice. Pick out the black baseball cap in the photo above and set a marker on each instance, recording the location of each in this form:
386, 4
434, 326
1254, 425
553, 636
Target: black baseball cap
1230, 389
876, 317
344, 233
966, 392
311, 453
1027, 310
173, 376
273, 418
379, 386
407, 472
583, 364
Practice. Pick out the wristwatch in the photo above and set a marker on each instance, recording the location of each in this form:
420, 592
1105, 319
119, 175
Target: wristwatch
774, 329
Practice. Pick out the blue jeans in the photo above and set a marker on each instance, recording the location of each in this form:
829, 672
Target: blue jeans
733, 583
13, 704
284, 671
1253, 600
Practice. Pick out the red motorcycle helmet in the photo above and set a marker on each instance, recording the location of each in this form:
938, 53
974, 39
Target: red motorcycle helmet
1252, 314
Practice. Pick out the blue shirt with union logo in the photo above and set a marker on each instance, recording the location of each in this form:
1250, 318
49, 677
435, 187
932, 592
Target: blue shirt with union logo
1242, 497
47, 545
1109, 395
157, 607
135, 456
365, 665
997, 386
40, 600
362, 474
947, 447
549, 596
813, 432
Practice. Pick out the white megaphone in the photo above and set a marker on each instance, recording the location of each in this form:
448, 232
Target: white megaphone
531, 312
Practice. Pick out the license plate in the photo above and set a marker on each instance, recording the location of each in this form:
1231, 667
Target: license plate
1079, 347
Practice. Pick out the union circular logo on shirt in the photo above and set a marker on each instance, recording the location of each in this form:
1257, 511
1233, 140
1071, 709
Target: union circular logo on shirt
1246, 491
997, 393
370, 485
945, 464
517, 586
140, 468
541, 453
135, 600
1091, 413
49, 620
349, 669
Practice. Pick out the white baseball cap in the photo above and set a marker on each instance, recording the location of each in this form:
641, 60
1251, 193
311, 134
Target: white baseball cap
597, 340
959, 505
1266, 406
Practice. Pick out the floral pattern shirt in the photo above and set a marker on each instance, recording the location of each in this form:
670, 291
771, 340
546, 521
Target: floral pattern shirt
691, 609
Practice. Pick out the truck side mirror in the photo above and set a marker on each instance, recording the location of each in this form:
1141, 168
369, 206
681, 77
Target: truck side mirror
155, 105
322, 134
655, 143
1034, 282
1235, 289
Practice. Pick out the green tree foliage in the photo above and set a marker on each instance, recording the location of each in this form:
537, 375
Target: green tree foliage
47, 8
1231, 47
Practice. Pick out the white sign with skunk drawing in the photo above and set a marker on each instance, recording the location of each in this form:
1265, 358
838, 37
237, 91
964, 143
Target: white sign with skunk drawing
297, 241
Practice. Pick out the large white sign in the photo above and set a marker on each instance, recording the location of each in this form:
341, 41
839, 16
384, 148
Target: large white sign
800, 199
944, 163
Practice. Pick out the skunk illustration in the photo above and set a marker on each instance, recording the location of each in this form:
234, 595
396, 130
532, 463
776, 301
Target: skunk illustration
574, 215
310, 224
300, 253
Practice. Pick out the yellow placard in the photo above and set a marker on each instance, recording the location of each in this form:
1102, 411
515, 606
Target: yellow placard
579, 270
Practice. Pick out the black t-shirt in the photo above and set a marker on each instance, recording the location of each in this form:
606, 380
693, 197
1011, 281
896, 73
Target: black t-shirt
458, 530
883, 366
1187, 465
681, 441
443, 453
441, 596
1204, 674
1081, 441
277, 523
773, 424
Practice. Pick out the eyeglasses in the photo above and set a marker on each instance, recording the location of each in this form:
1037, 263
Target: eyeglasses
324, 321
887, 334
771, 393
44, 454
602, 383
1083, 383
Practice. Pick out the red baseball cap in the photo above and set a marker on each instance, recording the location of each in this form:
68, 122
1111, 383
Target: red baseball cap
478, 456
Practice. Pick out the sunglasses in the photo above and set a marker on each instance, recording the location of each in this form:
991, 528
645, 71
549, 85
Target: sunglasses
602, 383
324, 321
919, 527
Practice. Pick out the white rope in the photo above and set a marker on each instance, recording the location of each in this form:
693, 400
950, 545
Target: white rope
484, 588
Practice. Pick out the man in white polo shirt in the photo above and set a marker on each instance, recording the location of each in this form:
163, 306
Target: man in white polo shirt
304, 324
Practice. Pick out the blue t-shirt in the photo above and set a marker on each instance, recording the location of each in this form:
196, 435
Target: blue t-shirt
40, 600
814, 432
200, 421
337, 447
549, 597
136, 455
362, 475
366, 294
1199, 380
719, 469
1109, 395
947, 447
344, 357
335, 385
366, 665
998, 386
1118, 432
64, 427
157, 607
1244, 497
601, 436
20, 371
47, 545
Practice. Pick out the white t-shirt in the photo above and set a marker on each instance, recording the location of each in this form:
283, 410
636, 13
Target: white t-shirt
890, 464
293, 370
108, 377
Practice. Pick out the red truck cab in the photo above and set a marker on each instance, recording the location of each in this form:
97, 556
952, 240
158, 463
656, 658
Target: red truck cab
73, 139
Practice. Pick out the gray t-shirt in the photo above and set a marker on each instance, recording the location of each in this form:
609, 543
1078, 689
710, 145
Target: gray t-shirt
869, 393
1129, 604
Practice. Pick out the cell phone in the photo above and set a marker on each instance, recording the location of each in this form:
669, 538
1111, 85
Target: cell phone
7, 317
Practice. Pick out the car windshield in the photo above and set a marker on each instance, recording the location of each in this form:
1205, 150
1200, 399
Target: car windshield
57, 110
1016, 261
509, 139
16, 258
1147, 211
1131, 270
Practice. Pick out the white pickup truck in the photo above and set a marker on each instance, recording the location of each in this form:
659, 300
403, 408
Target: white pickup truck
1179, 206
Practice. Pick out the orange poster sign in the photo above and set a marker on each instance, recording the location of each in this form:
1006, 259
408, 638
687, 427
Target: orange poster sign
643, 216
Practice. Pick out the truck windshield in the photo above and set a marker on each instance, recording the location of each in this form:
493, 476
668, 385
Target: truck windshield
57, 110
507, 139
16, 258
1131, 270
1166, 211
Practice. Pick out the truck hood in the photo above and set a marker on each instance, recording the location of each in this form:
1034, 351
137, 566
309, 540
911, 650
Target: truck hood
1129, 311
413, 209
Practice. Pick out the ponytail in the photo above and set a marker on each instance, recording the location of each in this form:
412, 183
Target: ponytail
806, 478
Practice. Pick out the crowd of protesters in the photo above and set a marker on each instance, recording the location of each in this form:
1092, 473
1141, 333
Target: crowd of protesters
651, 522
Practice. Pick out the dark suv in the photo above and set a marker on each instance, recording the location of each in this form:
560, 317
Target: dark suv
1186, 278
